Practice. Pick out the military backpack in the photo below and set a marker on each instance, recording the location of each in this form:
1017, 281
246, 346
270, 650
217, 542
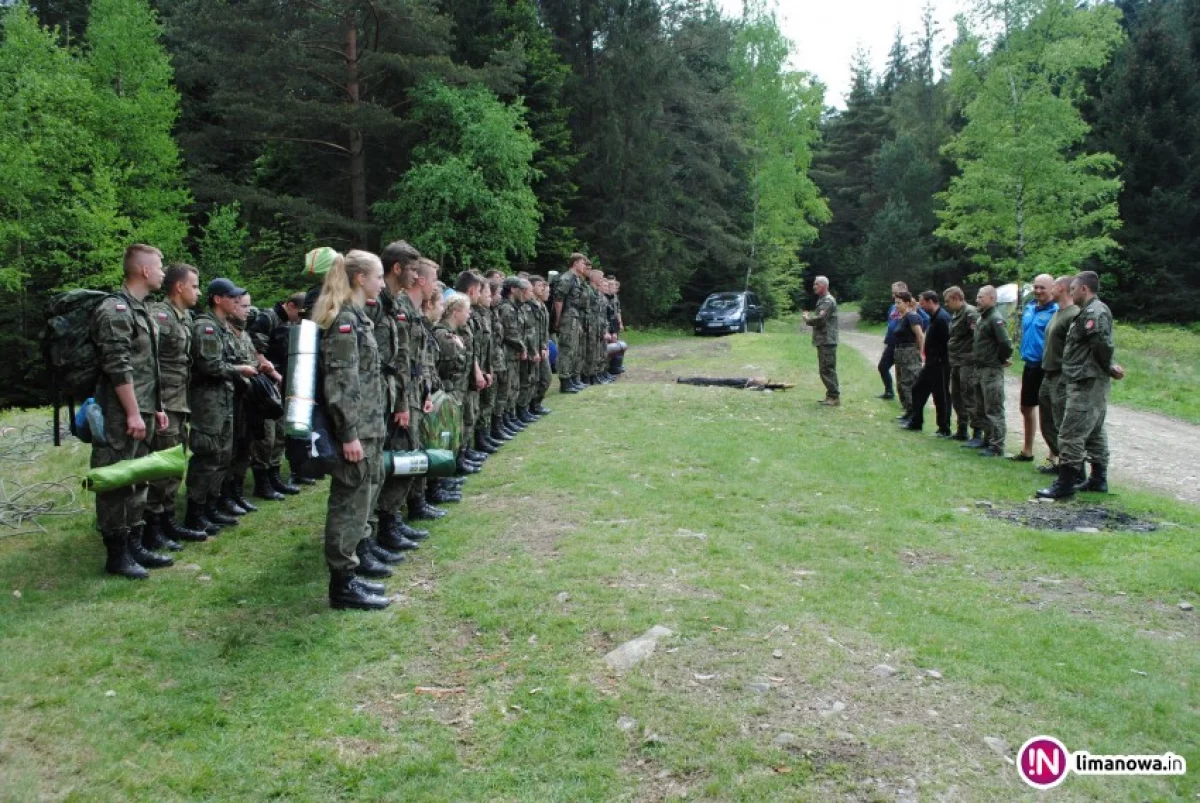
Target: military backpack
68, 350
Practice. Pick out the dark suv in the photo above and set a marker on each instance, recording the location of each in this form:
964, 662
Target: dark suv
729, 312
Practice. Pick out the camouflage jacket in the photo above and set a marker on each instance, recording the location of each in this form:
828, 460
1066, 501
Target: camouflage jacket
351, 377
962, 336
174, 354
993, 345
454, 358
214, 373
126, 339
824, 321
1088, 351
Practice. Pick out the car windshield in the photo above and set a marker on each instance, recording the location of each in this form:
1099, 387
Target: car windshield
723, 301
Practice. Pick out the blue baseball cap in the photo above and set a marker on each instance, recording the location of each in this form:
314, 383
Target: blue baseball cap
226, 288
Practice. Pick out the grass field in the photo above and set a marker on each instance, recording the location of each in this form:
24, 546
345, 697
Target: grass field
791, 549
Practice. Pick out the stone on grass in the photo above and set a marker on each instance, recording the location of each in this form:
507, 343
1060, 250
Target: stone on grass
883, 671
1184, 605
996, 745
784, 739
626, 723
636, 650
758, 687
984, 504
1087, 529
777, 654
563, 597
933, 673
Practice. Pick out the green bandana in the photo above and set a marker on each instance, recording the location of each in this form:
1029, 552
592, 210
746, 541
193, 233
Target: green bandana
318, 261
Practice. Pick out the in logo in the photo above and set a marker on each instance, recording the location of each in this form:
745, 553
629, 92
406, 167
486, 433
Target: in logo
1042, 762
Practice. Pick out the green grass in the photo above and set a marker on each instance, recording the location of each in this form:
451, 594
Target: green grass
745, 522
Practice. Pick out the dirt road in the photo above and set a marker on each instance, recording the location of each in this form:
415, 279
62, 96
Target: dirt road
1153, 451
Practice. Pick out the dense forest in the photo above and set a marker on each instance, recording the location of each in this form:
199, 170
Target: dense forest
672, 142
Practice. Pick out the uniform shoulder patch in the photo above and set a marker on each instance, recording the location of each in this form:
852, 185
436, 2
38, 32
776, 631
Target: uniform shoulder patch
162, 316
120, 307
1091, 324
208, 330
345, 328
400, 316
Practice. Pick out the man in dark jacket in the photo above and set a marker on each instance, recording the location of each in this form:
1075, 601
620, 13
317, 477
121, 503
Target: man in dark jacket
934, 379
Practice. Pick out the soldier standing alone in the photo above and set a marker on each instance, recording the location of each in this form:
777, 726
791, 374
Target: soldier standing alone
824, 323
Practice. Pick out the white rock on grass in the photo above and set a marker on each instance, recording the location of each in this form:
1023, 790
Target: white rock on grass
626, 723
1184, 605
636, 650
784, 739
996, 745
883, 671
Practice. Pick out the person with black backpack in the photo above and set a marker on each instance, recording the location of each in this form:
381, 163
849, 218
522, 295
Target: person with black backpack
270, 331
128, 394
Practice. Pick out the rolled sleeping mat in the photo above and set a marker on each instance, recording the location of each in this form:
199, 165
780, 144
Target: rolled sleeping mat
431, 462
618, 347
155, 466
304, 340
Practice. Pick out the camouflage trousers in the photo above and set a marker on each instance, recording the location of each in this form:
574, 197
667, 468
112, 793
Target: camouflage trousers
908, 368
212, 449
570, 343
989, 400
394, 490
1081, 435
416, 485
470, 410
239, 461
161, 494
352, 491
827, 367
599, 355
487, 406
542, 381
962, 396
1052, 401
267, 452
529, 373
123, 507
517, 376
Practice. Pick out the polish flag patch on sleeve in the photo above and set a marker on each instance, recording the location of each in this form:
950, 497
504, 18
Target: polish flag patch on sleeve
345, 328
162, 316
121, 308
208, 330
1090, 324
400, 316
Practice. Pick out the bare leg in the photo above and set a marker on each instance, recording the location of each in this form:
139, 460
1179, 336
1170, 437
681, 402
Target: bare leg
1030, 416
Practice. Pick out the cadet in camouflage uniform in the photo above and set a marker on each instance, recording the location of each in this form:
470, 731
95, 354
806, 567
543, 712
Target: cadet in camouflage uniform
824, 323
233, 490
531, 369
470, 284
481, 319
570, 312
501, 367
424, 351
173, 318
541, 385
455, 359
516, 349
395, 309
992, 349
127, 392
963, 321
616, 325
1052, 396
215, 373
354, 400
270, 332
1088, 370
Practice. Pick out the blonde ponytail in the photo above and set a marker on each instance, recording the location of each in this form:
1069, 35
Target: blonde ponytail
338, 289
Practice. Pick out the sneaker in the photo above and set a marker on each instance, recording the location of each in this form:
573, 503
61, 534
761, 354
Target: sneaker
830, 401
886, 396
1021, 458
1049, 467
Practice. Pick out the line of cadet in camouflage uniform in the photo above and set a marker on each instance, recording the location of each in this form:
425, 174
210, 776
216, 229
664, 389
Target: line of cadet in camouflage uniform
1077, 362
168, 377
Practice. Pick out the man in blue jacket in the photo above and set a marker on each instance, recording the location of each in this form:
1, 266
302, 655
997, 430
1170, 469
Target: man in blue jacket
1034, 320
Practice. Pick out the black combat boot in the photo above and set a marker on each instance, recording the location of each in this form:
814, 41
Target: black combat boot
540, 409
409, 532
378, 589
139, 552
155, 537
278, 484
976, 441
368, 564
297, 478
237, 492
515, 422
498, 433
344, 594
1097, 483
195, 521
606, 378
263, 488
442, 496
510, 426
565, 385
524, 417
1064, 485
391, 536
385, 555
119, 561
421, 510
213, 513
481, 444
578, 382
961, 433
226, 503
475, 457
174, 530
